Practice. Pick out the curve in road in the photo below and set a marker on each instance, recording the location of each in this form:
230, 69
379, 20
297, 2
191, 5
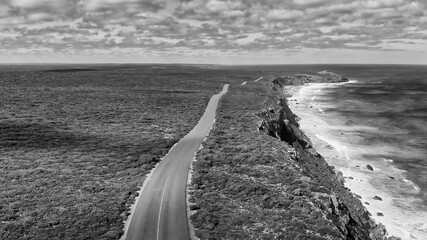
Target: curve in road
161, 212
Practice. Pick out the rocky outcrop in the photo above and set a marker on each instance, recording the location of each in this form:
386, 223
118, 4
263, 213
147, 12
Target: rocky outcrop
331, 77
269, 184
344, 209
300, 79
280, 123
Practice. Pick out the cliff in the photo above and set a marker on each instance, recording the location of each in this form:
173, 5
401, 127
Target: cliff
300, 79
344, 209
258, 176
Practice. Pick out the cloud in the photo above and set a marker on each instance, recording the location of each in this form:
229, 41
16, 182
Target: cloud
309, 2
55, 8
383, 3
127, 5
37, 4
220, 6
283, 14
210, 9
224, 26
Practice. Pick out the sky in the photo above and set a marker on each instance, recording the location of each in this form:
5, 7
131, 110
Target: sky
214, 31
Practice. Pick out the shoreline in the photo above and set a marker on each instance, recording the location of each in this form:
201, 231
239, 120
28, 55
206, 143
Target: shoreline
362, 182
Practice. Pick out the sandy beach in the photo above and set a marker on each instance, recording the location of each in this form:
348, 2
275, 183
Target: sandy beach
376, 183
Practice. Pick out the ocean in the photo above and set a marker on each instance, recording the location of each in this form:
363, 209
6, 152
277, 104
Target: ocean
374, 130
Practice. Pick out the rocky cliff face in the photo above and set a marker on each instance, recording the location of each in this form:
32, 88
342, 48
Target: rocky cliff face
269, 184
345, 211
300, 79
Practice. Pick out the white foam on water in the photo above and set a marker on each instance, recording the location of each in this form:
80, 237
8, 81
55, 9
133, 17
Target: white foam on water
343, 148
340, 148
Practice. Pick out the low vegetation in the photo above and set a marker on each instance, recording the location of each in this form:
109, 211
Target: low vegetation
75, 145
255, 183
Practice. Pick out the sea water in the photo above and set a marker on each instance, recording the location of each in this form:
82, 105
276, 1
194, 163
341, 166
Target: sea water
374, 130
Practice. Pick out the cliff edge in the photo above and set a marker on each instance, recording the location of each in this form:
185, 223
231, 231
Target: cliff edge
258, 176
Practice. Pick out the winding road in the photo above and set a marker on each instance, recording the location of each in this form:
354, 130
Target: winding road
161, 211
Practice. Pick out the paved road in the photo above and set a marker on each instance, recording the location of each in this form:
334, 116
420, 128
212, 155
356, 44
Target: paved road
258, 79
161, 211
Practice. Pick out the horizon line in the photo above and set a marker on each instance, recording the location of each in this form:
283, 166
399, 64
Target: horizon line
201, 64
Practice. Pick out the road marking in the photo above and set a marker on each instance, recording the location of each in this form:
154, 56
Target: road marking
161, 203
258, 79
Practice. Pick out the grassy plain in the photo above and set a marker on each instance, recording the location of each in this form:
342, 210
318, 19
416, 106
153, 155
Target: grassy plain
77, 141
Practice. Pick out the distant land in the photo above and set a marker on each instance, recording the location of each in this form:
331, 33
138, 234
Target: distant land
77, 142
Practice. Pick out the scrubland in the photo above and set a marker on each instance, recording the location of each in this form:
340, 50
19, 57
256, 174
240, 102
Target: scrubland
76, 144
257, 177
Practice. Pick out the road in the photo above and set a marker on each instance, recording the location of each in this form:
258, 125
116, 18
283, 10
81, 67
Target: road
258, 79
161, 211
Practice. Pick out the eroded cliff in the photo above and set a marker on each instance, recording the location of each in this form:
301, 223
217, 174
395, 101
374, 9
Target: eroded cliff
343, 208
258, 176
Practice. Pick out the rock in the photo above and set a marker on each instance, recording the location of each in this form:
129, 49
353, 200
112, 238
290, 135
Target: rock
393, 238
380, 214
312, 151
369, 167
378, 232
358, 196
367, 203
339, 177
335, 204
378, 198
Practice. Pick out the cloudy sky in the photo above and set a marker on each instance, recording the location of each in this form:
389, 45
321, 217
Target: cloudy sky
214, 31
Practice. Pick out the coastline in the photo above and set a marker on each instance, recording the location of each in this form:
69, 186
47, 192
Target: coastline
258, 177
303, 100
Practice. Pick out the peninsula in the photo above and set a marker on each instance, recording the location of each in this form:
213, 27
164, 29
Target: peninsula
258, 176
